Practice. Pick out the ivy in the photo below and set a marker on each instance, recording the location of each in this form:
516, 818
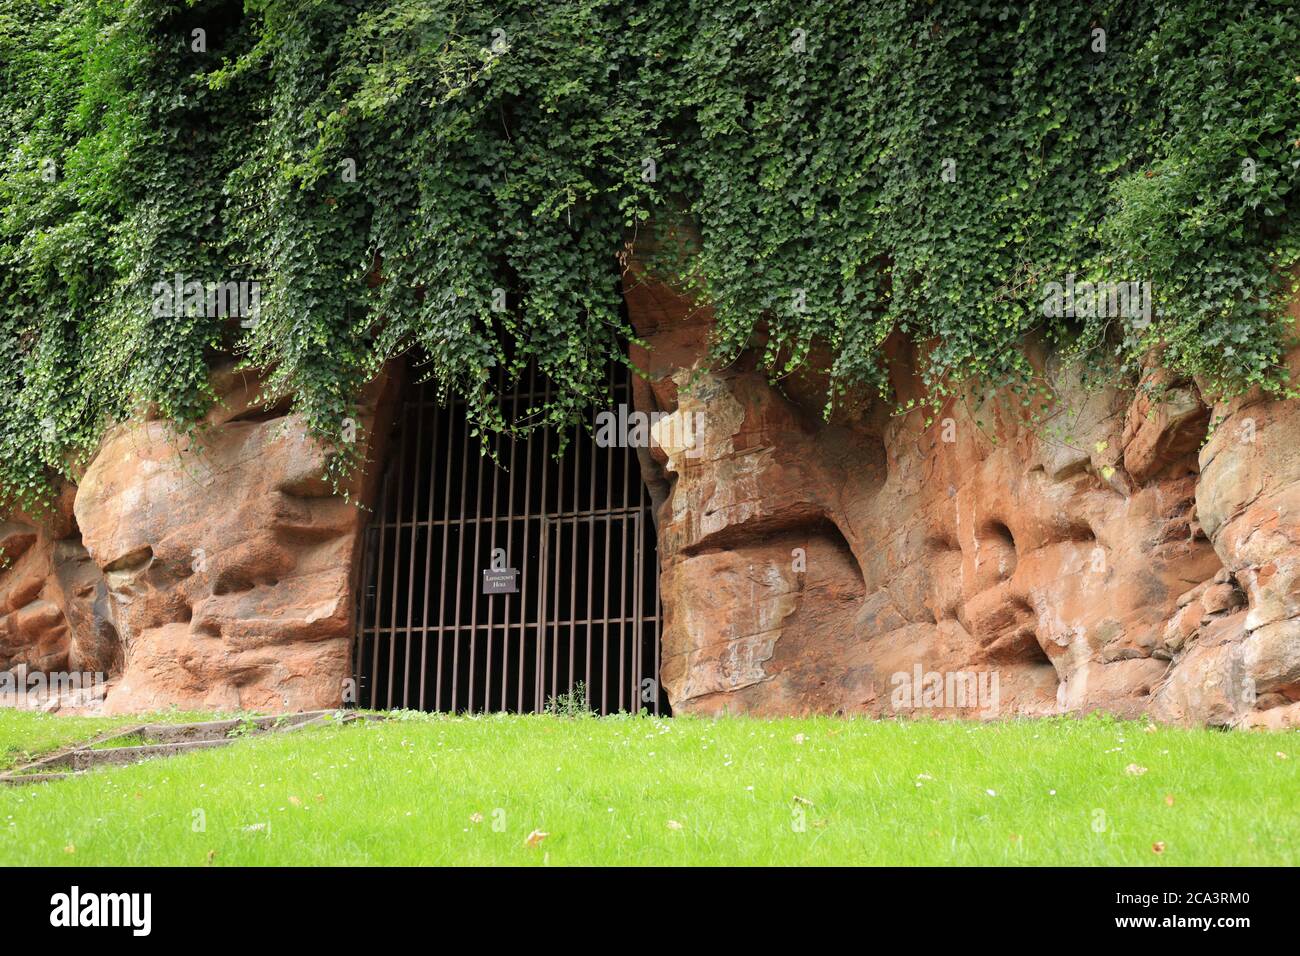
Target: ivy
458, 180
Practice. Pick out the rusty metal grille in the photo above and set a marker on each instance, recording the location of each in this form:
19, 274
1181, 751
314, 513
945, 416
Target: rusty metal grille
577, 530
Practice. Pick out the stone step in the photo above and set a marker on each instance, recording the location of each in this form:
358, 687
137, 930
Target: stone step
22, 779
116, 756
166, 740
329, 718
63, 758
221, 729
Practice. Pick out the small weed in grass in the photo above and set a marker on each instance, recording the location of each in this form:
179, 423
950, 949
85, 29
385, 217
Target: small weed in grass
244, 728
571, 704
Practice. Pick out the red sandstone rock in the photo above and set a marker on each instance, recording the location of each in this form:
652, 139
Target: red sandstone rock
54, 615
229, 563
1076, 557
1221, 597
1091, 558
1163, 428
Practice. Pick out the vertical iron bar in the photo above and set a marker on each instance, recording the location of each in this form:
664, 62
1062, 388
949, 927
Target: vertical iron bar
622, 602
638, 584
434, 413
510, 538
636, 617
544, 559
442, 568
591, 554
474, 574
610, 454
528, 516
410, 558
573, 571
491, 601
460, 564
556, 611
397, 550
542, 612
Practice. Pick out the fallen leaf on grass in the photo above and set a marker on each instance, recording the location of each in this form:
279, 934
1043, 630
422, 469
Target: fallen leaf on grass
1169, 799
295, 801
1135, 770
536, 837
69, 849
476, 818
1158, 847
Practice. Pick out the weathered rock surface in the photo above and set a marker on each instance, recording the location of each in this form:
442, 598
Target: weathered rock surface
228, 562
1098, 553
1084, 557
55, 620
1248, 502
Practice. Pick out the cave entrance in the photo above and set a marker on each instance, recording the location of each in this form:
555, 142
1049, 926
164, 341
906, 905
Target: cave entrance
501, 587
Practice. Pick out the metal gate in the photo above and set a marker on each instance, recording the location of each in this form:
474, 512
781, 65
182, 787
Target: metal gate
499, 588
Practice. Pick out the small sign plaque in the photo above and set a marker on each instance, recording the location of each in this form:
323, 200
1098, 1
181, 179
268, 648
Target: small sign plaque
497, 578
500, 580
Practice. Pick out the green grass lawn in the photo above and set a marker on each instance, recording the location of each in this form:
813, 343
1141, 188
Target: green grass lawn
636, 790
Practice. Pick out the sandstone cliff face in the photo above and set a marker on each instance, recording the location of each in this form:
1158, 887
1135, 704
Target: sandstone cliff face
1248, 501
216, 574
1102, 554
54, 609
1087, 559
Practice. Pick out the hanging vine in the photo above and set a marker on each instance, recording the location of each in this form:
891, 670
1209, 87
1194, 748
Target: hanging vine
458, 178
